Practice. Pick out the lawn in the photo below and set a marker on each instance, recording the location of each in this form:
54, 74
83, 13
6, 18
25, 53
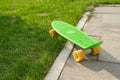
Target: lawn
26, 49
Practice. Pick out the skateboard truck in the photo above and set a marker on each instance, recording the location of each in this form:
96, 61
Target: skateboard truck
80, 55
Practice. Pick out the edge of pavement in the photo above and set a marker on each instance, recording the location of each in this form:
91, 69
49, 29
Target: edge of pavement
58, 65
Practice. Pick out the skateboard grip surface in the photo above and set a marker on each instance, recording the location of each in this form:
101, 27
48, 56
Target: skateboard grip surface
71, 33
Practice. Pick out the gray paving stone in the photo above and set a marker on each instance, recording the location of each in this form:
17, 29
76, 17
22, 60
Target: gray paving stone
105, 23
90, 70
109, 29
108, 10
111, 19
96, 17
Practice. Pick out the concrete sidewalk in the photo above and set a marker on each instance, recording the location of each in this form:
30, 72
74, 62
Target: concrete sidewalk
106, 23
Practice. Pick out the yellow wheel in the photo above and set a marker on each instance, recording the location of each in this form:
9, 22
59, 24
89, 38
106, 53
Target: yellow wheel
96, 50
79, 55
52, 32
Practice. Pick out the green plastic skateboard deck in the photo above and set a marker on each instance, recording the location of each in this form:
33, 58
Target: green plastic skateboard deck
76, 36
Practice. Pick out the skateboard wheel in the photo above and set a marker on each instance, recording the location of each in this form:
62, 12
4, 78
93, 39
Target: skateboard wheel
52, 32
96, 50
79, 55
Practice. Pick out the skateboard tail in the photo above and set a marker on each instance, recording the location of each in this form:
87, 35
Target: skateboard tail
94, 45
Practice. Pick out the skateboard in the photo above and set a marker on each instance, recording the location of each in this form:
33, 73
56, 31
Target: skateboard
76, 36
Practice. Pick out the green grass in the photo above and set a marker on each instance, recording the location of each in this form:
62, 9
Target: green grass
26, 49
109, 1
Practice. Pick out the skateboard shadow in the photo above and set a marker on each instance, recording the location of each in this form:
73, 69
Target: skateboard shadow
109, 64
